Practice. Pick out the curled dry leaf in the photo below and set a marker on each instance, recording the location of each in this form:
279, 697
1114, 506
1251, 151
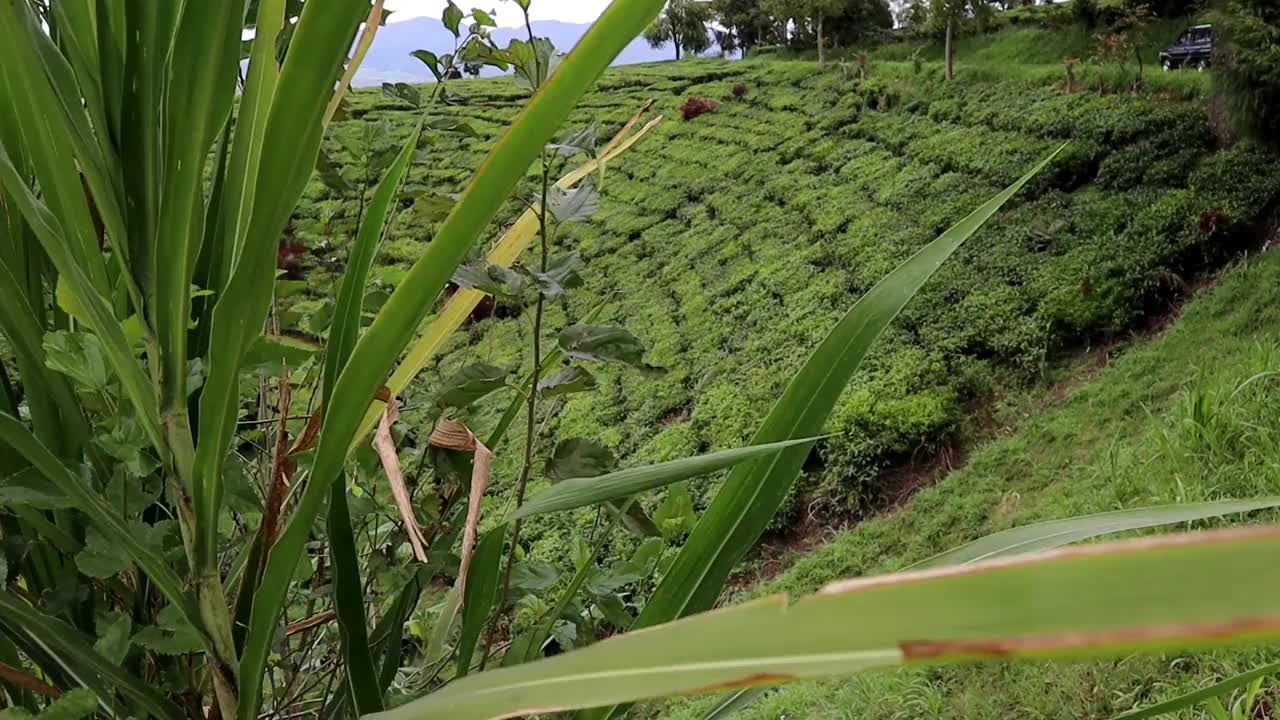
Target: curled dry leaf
453, 435
385, 445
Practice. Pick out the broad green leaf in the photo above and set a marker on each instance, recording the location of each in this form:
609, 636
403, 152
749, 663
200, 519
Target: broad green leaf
534, 575
748, 499
431, 60
1057, 533
471, 384
272, 352
397, 323
579, 457
481, 594
75, 653
78, 356
603, 343
171, 635
453, 16
493, 280
561, 275
101, 558
114, 632
582, 141
567, 380
73, 705
576, 205
584, 491
1102, 600
1204, 694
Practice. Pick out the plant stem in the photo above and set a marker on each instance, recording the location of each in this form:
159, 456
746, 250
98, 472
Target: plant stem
531, 418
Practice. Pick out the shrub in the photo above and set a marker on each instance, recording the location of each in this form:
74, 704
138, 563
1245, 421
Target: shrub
695, 106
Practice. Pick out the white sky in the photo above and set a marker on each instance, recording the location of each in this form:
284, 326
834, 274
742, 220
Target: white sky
508, 13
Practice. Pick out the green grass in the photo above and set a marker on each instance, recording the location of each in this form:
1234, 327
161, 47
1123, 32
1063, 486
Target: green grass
1186, 417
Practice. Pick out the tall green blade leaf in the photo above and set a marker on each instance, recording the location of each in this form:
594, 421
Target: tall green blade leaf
1102, 600
1216, 690
480, 594
749, 498
733, 703
200, 88
348, 603
582, 492
394, 327
1057, 533
348, 590
290, 143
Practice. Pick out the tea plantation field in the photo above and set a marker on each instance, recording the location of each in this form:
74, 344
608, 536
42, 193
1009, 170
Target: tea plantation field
730, 244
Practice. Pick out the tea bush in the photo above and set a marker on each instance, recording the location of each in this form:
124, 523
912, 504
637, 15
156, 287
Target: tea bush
730, 246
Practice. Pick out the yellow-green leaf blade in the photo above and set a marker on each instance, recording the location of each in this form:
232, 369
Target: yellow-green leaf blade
1058, 533
1094, 601
582, 492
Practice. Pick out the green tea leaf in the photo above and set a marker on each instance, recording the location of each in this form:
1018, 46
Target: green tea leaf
749, 498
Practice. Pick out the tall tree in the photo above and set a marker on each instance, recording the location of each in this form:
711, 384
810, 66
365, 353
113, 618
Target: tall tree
815, 14
683, 24
862, 19
946, 15
749, 22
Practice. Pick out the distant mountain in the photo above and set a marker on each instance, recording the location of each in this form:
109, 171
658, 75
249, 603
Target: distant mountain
389, 61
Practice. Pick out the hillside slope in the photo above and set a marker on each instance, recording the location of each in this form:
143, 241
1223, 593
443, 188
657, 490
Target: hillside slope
730, 244
1188, 417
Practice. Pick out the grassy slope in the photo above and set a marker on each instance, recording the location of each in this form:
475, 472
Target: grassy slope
1187, 417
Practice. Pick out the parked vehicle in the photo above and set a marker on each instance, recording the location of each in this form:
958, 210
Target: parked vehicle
1194, 49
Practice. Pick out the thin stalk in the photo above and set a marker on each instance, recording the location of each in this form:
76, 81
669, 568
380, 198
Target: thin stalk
531, 418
